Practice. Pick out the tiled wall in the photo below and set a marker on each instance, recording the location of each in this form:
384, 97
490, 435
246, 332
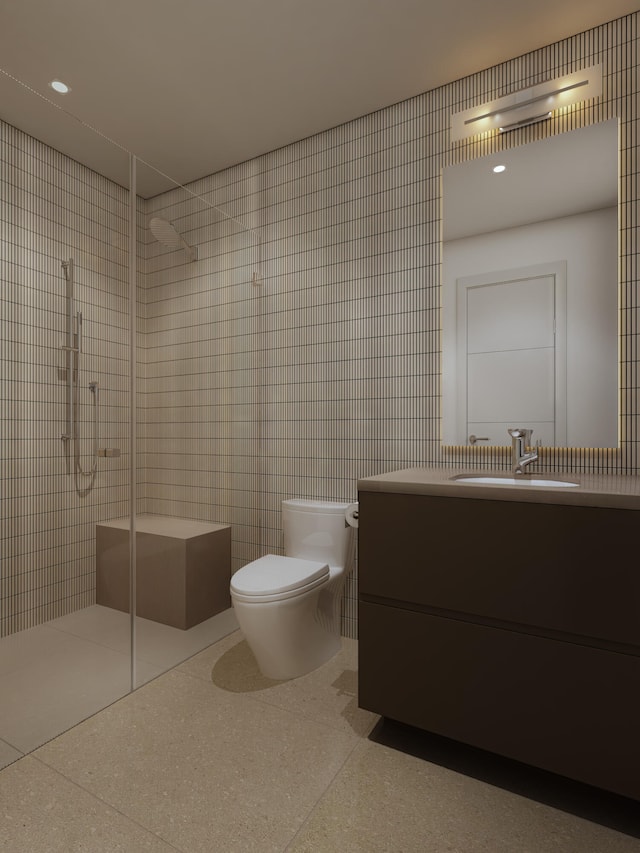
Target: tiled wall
330, 370
53, 209
341, 348
200, 413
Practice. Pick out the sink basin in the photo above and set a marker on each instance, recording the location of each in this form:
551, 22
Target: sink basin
515, 481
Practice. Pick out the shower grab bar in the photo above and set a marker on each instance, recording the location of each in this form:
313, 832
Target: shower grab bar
93, 387
78, 336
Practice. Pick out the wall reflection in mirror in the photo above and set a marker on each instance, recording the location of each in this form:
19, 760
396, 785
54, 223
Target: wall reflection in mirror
530, 293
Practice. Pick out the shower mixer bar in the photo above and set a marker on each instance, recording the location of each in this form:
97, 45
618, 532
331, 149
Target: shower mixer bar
73, 349
70, 348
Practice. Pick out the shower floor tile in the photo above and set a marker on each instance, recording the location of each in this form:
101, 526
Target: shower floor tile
56, 675
8, 754
157, 644
56, 682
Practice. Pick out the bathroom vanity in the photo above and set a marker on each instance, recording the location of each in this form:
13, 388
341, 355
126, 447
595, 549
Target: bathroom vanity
506, 616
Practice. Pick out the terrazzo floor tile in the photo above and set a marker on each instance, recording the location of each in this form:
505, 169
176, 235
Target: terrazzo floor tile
385, 801
205, 769
327, 695
42, 812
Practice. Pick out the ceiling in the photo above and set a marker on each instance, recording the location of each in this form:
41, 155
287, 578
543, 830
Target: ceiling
194, 86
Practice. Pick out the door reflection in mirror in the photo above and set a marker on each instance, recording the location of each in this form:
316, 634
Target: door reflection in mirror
530, 292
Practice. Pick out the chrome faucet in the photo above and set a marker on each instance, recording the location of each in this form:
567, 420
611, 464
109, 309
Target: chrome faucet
520, 440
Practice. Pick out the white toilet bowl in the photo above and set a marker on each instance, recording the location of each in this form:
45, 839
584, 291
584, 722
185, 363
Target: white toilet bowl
289, 607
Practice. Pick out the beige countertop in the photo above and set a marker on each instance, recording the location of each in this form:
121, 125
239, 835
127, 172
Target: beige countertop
603, 490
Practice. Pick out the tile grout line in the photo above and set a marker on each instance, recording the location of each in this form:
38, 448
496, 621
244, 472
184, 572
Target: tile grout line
357, 740
105, 803
329, 785
298, 715
15, 749
87, 642
307, 718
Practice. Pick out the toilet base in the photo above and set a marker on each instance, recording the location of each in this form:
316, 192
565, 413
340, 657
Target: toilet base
286, 637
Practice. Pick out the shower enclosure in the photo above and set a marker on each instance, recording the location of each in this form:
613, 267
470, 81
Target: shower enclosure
125, 395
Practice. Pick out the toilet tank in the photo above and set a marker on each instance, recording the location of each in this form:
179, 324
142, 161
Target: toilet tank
316, 530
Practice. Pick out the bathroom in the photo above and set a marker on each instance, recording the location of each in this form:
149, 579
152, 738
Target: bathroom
337, 234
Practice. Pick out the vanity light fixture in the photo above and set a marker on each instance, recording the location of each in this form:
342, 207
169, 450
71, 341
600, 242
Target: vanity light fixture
523, 122
528, 106
60, 87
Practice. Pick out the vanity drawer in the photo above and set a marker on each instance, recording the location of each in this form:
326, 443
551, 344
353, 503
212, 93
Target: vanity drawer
558, 568
563, 707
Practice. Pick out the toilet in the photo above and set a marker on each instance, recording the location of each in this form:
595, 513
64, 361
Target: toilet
288, 607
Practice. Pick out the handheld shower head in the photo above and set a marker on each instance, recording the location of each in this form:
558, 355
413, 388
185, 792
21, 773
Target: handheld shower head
165, 233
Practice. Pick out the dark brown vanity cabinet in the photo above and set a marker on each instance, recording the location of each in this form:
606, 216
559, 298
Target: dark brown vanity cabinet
513, 627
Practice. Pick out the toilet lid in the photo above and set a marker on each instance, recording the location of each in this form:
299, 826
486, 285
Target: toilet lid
271, 575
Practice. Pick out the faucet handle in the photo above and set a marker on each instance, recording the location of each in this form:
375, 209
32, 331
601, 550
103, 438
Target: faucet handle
521, 432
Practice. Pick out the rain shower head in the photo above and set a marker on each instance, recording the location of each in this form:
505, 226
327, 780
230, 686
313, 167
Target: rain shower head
165, 233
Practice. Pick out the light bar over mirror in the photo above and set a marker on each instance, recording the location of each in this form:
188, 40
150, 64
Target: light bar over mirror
528, 106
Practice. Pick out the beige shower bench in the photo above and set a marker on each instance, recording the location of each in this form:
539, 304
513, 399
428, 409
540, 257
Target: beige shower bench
183, 568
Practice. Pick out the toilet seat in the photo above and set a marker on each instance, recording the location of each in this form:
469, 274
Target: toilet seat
275, 578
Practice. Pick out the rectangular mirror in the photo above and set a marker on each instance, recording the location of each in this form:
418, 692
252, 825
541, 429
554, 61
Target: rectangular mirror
530, 293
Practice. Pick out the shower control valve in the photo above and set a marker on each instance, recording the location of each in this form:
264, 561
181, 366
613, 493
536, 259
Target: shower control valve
111, 452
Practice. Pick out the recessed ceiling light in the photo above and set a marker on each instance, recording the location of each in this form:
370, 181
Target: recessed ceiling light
59, 86
498, 169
